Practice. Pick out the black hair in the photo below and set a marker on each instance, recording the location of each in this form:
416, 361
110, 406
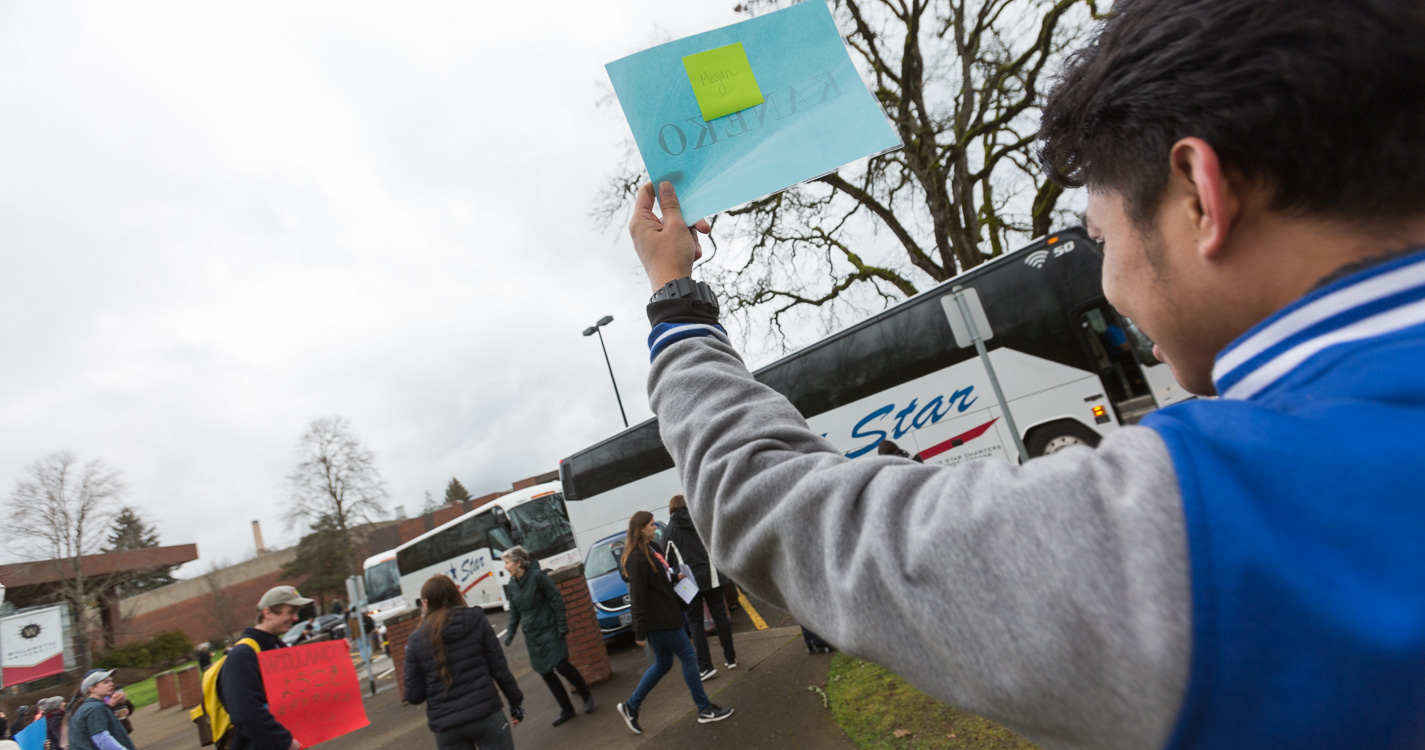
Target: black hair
1320, 101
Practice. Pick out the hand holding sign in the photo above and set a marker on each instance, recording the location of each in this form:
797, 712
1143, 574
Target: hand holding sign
313, 691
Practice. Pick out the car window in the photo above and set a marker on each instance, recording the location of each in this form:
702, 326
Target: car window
603, 558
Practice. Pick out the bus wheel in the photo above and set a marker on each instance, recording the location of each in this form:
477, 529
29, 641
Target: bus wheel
1056, 436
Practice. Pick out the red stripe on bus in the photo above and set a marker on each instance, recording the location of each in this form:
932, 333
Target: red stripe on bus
474, 583
957, 441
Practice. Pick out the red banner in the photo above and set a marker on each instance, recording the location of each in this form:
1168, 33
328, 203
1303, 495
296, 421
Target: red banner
313, 690
17, 675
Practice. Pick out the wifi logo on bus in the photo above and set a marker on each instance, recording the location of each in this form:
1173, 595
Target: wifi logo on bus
1037, 259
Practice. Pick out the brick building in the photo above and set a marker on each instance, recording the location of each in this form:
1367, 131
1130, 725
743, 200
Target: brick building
224, 601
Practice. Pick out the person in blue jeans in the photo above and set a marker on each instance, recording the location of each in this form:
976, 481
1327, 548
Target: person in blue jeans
658, 620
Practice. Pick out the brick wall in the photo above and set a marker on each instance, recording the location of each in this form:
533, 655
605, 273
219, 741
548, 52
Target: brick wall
398, 631
167, 689
190, 687
586, 643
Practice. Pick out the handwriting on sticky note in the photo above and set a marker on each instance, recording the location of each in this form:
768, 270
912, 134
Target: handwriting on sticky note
722, 81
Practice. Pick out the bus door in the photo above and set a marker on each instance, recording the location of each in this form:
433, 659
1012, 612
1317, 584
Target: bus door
1113, 343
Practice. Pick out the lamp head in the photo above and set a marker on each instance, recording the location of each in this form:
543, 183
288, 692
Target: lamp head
607, 319
591, 330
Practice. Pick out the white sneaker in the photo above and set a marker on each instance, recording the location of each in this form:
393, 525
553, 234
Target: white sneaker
708, 674
730, 664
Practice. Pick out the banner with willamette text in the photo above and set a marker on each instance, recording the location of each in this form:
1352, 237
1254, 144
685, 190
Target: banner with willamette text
313, 690
31, 646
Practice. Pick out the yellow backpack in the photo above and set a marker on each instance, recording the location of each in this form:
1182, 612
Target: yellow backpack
211, 709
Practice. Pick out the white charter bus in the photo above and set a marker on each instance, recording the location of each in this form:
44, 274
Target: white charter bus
468, 550
1071, 370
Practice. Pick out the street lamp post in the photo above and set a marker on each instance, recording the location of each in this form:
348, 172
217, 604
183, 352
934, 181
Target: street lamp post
598, 328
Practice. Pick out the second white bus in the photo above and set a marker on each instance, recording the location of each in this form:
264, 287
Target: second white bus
468, 550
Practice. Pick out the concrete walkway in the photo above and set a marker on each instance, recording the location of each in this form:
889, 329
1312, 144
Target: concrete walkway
768, 692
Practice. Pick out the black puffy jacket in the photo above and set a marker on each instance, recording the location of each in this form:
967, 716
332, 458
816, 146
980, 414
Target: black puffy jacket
685, 547
476, 664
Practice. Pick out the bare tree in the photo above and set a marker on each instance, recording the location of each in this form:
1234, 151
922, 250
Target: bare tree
225, 615
961, 81
336, 479
59, 513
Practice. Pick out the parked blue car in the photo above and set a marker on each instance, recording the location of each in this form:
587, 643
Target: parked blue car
610, 590
607, 586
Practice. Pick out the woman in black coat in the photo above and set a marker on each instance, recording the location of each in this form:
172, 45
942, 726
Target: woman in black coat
658, 620
453, 662
537, 605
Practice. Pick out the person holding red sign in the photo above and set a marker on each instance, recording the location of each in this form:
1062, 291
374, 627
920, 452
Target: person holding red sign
454, 661
240, 685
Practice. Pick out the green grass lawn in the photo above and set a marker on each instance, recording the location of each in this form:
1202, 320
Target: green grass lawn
145, 692
872, 705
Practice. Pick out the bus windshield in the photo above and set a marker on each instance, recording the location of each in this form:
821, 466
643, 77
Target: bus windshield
543, 524
383, 582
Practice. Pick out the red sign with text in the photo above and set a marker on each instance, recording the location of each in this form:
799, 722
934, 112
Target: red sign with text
313, 690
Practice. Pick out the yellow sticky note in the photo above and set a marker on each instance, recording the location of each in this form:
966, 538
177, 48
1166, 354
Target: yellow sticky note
722, 81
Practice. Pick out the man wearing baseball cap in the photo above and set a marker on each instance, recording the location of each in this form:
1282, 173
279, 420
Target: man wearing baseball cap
93, 726
240, 682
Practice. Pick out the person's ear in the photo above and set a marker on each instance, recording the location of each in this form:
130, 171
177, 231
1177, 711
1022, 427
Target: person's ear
1207, 198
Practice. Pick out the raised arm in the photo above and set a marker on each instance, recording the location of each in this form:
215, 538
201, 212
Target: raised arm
1053, 597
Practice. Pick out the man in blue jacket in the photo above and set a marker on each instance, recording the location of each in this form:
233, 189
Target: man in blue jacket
240, 685
1245, 571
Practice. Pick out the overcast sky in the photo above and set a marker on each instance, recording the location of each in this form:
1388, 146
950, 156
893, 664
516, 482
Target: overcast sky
219, 221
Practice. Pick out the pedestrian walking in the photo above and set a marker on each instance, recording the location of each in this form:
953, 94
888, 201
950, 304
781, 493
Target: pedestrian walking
204, 657
1242, 571
93, 725
538, 607
685, 547
658, 620
240, 687
51, 709
453, 664
22, 720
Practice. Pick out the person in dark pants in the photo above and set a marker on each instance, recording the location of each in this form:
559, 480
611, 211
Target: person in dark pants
537, 605
240, 685
658, 619
685, 547
453, 663
204, 657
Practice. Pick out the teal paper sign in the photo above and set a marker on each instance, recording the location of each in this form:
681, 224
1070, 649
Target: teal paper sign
816, 115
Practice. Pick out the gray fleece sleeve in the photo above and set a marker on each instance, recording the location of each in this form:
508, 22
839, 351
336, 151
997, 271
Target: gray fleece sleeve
1052, 597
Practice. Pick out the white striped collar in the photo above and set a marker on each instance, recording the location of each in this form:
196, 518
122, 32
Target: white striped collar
1379, 300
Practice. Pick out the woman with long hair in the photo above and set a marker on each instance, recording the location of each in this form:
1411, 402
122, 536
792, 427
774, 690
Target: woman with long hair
537, 605
658, 620
453, 662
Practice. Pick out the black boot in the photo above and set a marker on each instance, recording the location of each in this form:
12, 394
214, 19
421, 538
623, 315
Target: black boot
564, 716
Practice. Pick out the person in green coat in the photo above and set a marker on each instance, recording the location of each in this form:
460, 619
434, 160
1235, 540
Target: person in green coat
535, 603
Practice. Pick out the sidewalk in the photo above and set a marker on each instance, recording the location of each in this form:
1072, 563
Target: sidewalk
768, 690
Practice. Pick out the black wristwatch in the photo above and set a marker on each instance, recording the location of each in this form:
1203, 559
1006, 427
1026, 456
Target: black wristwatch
686, 288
